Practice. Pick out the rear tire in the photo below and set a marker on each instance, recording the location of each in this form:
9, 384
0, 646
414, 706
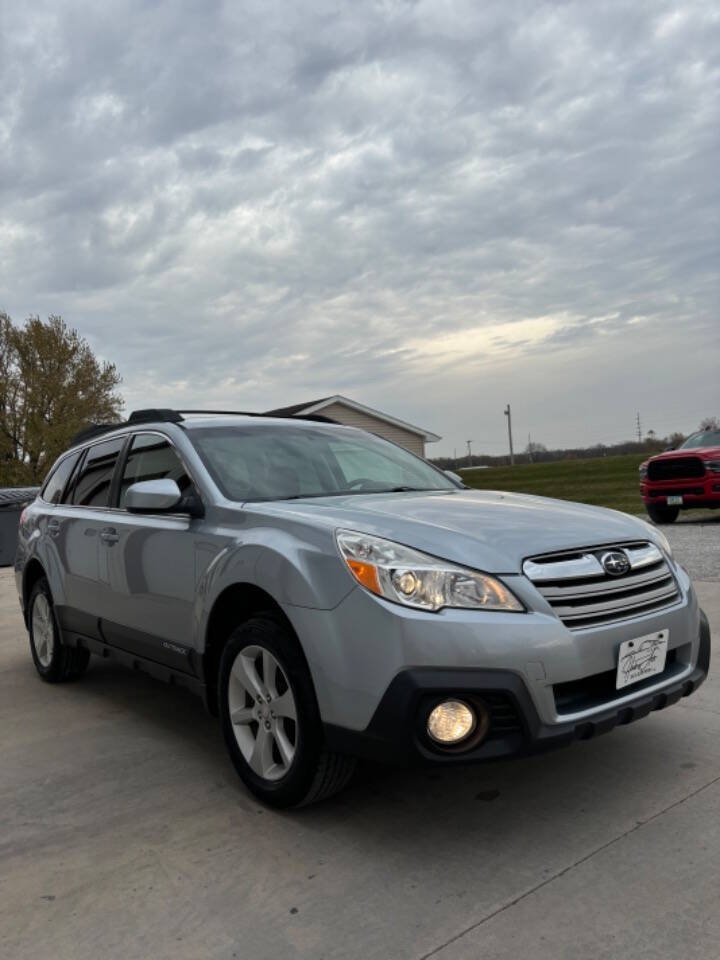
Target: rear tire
661, 513
54, 661
270, 718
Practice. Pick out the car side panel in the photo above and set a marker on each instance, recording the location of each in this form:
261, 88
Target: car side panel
151, 576
65, 542
296, 568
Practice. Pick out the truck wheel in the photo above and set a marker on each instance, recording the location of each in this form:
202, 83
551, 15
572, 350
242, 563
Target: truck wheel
54, 661
660, 513
270, 719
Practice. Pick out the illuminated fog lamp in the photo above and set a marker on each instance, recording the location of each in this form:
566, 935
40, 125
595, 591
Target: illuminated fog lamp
451, 722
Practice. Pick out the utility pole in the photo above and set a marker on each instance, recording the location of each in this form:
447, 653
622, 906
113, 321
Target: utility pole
508, 414
469, 452
639, 429
530, 448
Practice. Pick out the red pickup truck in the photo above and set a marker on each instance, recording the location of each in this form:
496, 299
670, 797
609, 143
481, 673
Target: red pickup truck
683, 479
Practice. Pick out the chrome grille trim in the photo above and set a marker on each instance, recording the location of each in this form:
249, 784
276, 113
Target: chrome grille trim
582, 594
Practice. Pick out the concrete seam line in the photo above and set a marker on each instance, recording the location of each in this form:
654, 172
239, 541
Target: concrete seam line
560, 873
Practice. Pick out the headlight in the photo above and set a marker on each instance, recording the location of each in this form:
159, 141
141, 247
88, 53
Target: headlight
417, 580
642, 470
713, 466
664, 542
658, 536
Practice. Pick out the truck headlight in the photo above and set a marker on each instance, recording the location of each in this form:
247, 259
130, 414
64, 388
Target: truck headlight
642, 470
418, 580
713, 466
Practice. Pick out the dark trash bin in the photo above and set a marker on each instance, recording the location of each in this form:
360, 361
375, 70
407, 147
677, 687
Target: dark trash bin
12, 502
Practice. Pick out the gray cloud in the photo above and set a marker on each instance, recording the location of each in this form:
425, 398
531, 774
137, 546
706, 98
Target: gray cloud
435, 208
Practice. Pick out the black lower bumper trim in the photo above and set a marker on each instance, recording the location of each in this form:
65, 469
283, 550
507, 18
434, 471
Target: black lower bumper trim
396, 732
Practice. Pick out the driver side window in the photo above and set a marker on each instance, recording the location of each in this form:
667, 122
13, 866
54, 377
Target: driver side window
151, 457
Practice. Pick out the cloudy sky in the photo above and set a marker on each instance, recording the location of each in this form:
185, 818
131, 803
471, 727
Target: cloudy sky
432, 207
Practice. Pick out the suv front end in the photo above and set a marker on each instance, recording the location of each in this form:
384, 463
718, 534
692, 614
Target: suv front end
499, 683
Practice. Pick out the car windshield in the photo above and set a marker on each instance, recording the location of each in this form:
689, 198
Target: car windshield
282, 462
706, 438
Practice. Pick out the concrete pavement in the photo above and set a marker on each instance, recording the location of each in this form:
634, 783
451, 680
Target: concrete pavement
124, 833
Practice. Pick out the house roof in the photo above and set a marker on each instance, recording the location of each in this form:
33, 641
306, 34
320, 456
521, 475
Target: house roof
316, 406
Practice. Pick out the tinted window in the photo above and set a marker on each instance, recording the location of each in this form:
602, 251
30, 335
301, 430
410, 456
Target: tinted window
92, 488
280, 461
55, 484
152, 458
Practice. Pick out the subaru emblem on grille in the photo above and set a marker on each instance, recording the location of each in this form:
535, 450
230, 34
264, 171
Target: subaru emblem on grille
615, 563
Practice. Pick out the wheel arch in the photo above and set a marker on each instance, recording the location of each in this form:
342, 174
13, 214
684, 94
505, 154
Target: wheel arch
33, 572
237, 603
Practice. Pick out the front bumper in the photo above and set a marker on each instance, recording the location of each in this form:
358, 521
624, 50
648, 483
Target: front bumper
396, 733
701, 492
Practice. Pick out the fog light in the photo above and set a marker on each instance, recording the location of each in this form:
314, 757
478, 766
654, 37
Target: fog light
450, 722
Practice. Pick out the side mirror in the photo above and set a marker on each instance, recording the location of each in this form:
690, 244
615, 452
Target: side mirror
160, 496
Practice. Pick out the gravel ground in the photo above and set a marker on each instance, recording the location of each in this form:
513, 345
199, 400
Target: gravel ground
696, 544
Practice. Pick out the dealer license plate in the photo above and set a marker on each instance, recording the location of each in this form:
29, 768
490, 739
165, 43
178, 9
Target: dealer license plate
641, 658
674, 501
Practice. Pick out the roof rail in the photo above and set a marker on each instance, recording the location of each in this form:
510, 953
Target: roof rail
317, 417
166, 415
150, 415
92, 431
155, 415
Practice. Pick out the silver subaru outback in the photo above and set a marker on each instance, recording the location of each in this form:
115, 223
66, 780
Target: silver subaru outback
331, 596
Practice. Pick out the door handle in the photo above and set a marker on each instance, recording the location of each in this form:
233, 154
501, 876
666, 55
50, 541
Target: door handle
109, 535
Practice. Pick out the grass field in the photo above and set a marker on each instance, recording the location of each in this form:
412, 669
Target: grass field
602, 481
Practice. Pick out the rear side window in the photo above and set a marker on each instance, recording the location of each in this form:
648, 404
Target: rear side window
57, 481
92, 487
151, 457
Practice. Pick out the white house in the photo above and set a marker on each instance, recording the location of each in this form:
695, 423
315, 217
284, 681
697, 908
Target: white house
354, 414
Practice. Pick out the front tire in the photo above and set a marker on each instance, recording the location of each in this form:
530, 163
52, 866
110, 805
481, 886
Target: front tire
270, 719
661, 513
54, 661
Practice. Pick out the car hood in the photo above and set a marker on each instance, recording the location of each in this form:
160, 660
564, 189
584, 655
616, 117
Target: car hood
489, 530
705, 453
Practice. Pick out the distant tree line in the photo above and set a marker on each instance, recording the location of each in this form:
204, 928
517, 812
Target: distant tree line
51, 385
538, 453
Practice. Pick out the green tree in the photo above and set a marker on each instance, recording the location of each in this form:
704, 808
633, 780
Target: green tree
51, 386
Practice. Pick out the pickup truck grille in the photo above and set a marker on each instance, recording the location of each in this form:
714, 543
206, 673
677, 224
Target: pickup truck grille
584, 594
676, 468
678, 492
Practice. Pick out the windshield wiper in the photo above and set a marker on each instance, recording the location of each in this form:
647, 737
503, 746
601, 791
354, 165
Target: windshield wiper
409, 490
349, 493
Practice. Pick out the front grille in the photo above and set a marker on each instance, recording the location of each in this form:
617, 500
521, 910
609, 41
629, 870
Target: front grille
677, 492
676, 468
582, 594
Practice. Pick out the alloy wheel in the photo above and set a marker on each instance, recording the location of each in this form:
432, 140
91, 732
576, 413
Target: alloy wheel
263, 712
43, 630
